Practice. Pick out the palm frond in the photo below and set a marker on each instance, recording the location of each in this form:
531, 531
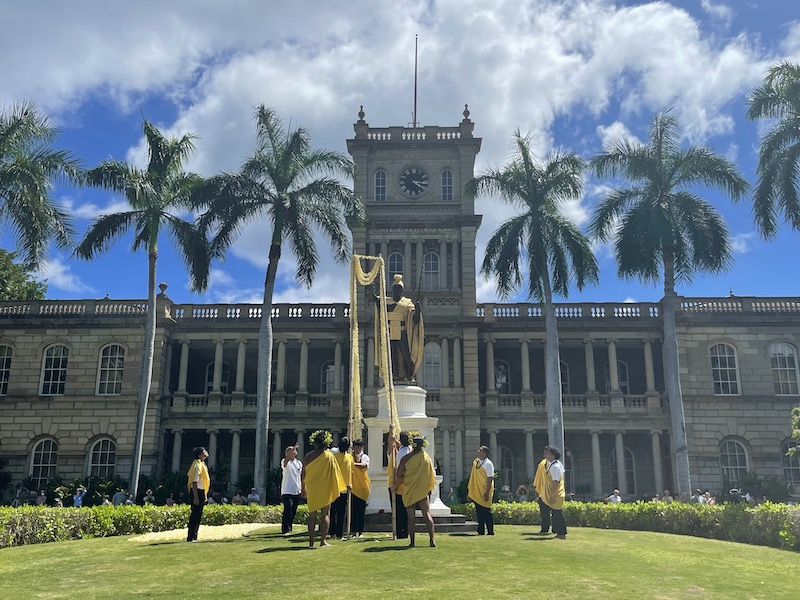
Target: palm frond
103, 232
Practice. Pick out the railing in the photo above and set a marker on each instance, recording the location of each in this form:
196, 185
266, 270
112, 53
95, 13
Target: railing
575, 403
252, 312
416, 134
525, 311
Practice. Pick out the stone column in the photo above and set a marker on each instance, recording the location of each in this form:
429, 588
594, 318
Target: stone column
337, 366
280, 376
177, 440
588, 351
526, 365
459, 456
212, 447
277, 448
370, 379
216, 385
446, 461
456, 268
622, 476
613, 373
371, 249
236, 435
530, 467
457, 362
301, 442
655, 440
442, 265
420, 265
597, 476
649, 375
406, 264
445, 364
240, 364
303, 385
183, 368
493, 447
490, 388
385, 255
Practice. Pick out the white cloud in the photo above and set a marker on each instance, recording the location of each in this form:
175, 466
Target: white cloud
742, 243
719, 11
89, 210
616, 132
630, 300
58, 274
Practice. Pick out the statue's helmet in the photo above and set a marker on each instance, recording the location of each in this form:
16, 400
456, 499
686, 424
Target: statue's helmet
398, 280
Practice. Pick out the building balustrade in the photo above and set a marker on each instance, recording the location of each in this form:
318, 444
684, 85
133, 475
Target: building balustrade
575, 403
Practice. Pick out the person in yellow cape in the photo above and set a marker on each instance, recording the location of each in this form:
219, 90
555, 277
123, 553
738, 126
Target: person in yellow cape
416, 473
406, 334
199, 483
539, 481
553, 490
339, 507
321, 484
481, 490
398, 448
361, 487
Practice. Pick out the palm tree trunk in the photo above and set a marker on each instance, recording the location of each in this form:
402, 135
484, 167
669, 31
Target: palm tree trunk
265, 374
552, 362
672, 379
146, 377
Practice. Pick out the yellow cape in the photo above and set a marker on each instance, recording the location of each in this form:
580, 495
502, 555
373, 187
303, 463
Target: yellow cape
477, 485
539, 479
323, 481
205, 478
419, 477
361, 482
345, 462
553, 494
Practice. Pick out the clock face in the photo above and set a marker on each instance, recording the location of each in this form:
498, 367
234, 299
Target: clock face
413, 182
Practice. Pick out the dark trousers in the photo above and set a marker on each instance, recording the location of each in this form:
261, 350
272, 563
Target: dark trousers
559, 524
338, 515
196, 515
545, 511
359, 509
290, 502
402, 516
485, 519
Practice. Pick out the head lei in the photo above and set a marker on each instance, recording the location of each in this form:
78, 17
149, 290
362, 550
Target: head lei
417, 434
323, 435
398, 279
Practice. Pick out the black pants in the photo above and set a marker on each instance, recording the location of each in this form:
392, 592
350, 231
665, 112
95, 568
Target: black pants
402, 516
359, 508
196, 515
545, 511
290, 502
485, 519
559, 524
338, 515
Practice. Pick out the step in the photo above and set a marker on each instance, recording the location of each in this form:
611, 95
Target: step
455, 523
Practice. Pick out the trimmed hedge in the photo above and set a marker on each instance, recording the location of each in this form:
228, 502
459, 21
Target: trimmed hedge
38, 524
768, 524
775, 525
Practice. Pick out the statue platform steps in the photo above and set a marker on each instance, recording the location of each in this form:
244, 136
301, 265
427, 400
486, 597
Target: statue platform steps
453, 523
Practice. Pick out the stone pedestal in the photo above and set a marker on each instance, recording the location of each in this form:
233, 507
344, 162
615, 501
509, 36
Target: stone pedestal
410, 401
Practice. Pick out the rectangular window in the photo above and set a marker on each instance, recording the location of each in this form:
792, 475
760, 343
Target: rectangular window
447, 185
112, 360
784, 369
724, 371
54, 370
5, 368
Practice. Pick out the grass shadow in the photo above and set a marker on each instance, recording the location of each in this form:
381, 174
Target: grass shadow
282, 549
387, 549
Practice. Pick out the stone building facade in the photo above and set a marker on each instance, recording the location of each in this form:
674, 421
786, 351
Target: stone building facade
69, 369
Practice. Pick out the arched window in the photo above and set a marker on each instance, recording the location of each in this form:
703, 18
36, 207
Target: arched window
396, 264
630, 471
54, 370
430, 272
564, 377
380, 185
44, 462
723, 370
5, 368
502, 377
733, 460
791, 464
103, 458
328, 376
109, 370
447, 185
622, 376
210, 377
784, 368
432, 366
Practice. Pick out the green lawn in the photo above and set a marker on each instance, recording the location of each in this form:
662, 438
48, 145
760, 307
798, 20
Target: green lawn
515, 563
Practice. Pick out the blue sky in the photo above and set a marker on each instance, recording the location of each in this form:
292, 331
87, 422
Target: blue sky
573, 73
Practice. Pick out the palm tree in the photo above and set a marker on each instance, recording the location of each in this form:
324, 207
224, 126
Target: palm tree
778, 98
29, 168
296, 189
660, 225
540, 244
152, 193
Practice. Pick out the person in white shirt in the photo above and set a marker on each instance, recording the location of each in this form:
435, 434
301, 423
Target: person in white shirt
361, 487
614, 498
555, 495
291, 486
403, 447
253, 497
